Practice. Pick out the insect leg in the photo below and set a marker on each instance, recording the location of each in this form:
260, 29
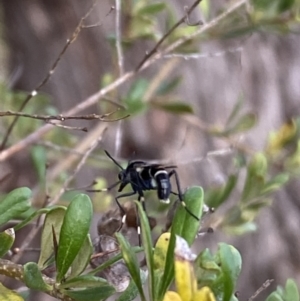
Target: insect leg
105, 189
122, 210
171, 173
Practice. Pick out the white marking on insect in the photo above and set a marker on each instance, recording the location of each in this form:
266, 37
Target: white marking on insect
153, 183
124, 219
167, 201
160, 172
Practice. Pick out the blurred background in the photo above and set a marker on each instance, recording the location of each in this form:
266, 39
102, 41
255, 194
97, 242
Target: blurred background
258, 69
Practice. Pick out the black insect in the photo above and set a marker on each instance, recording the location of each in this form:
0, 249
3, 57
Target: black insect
144, 176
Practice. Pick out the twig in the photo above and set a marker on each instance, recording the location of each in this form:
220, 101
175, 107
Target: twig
98, 23
16, 271
77, 169
177, 24
69, 150
49, 74
63, 117
262, 288
119, 47
202, 55
67, 127
32, 138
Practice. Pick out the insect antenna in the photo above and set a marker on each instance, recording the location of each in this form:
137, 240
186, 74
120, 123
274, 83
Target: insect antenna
110, 157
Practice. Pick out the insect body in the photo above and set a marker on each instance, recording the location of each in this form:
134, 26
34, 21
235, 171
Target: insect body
143, 176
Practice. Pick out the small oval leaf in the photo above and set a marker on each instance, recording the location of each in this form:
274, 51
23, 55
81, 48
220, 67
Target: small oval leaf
33, 277
15, 203
74, 231
91, 294
148, 247
231, 264
184, 224
83, 258
174, 107
84, 281
53, 220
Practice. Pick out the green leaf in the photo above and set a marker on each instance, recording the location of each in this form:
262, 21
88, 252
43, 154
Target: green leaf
39, 158
151, 9
231, 264
276, 183
74, 231
91, 294
174, 107
33, 278
7, 239
148, 248
184, 224
132, 291
243, 124
14, 203
8, 295
54, 219
31, 217
134, 100
255, 180
241, 229
168, 86
83, 258
168, 274
83, 281
274, 297
291, 292
215, 196
131, 263
272, 8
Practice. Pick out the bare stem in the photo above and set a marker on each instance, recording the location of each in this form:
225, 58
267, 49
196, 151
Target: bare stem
62, 117
119, 37
262, 288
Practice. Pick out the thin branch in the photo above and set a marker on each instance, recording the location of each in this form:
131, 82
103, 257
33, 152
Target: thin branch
16, 271
202, 55
93, 99
69, 150
119, 48
112, 8
262, 288
77, 169
34, 92
67, 127
62, 117
166, 35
